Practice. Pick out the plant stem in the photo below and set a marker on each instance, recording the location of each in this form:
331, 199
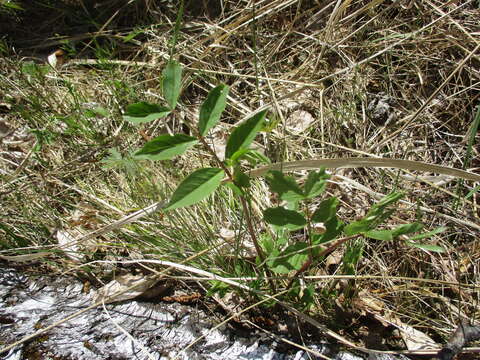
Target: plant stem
246, 210
324, 253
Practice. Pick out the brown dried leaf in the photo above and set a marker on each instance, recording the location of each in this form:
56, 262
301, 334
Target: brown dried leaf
299, 121
124, 287
67, 242
56, 59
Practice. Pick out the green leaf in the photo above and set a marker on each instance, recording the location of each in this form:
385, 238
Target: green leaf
97, 111
429, 234
406, 229
243, 135
285, 186
472, 192
116, 160
171, 83
255, 157
36, 70
292, 258
165, 147
237, 191
237, 156
427, 247
143, 112
11, 5
196, 187
241, 179
132, 35
357, 227
388, 200
384, 235
333, 228
315, 184
326, 210
279, 216
267, 243
377, 214
308, 297
212, 108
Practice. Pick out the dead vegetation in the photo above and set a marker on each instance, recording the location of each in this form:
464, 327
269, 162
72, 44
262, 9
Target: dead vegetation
393, 79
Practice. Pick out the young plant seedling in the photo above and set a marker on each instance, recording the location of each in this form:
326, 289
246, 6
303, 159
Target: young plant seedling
277, 251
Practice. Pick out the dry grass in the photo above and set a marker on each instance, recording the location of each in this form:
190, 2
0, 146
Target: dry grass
330, 59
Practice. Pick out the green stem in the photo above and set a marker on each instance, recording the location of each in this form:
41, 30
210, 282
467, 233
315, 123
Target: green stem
246, 211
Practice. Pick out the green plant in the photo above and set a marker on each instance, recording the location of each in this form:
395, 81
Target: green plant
279, 252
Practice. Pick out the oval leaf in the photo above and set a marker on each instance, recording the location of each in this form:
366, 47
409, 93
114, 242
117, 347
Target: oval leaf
212, 108
171, 83
384, 235
326, 210
285, 186
243, 135
165, 147
196, 187
279, 216
292, 258
143, 112
407, 229
316, 183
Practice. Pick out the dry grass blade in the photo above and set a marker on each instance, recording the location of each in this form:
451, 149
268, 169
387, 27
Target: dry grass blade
26, 257
412, 118
365, 163
338, 61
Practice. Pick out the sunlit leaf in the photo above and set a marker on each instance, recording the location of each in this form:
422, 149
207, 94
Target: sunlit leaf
406, 229
143, 112
384, 235
429, 234
166, 147
212, 108
376, 215
196, 187
353, 253
427, 247
171, 83
243, 135
292, 258
357, 227
315, 184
